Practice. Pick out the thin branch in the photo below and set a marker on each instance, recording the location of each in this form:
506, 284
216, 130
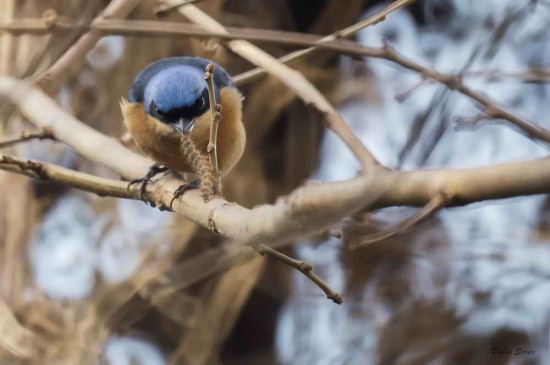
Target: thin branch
291, 78
401, 96
215, 111
471, 123
164, 9
303, 267
435, 204
532, 75
455, 83
254, 74
151, 28
349, 48
25, 136
79, 180
68, 64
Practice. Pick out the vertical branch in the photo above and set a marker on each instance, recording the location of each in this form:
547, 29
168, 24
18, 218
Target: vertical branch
215, 110
7, 9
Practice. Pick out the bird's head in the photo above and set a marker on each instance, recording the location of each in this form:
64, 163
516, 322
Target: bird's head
177, 96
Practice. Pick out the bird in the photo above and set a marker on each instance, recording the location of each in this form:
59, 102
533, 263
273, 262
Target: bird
170, 97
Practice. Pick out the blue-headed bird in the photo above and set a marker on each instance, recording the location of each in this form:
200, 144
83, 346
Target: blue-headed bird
170, 97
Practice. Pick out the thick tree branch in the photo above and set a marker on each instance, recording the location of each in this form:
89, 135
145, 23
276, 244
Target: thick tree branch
44, 112
307, 209
106, 187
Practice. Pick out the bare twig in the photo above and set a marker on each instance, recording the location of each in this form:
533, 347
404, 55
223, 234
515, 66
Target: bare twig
305, 268
455, 83
471, 123
254, 74
48, 172
291, 78
215, 111
435, 204
532, 75
25, 136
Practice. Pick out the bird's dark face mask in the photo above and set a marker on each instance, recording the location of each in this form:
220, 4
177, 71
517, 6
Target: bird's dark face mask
183, 118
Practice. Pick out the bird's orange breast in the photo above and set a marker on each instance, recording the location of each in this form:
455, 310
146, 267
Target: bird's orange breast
163, 144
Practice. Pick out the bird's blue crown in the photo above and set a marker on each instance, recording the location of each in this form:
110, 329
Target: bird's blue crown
175, 87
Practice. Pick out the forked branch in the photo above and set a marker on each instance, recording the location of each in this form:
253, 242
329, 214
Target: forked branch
303, 267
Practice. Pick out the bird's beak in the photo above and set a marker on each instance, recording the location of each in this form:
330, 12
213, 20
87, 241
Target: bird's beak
185, 125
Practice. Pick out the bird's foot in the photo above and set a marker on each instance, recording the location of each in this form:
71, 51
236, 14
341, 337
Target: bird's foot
153, 171
183, 189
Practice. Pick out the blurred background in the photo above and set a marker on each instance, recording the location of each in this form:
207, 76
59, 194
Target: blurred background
451, 291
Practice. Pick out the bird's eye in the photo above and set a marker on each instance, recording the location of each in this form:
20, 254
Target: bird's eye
201, 102
161, 113
154, 109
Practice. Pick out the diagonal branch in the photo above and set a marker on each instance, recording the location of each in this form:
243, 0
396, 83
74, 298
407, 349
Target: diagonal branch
164, 9
303, 267
68, 64
492, 108
348, 32
291, 78
104, 26
25, 136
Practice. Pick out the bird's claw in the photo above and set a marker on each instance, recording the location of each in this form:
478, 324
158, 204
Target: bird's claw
182, 189
153, 171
